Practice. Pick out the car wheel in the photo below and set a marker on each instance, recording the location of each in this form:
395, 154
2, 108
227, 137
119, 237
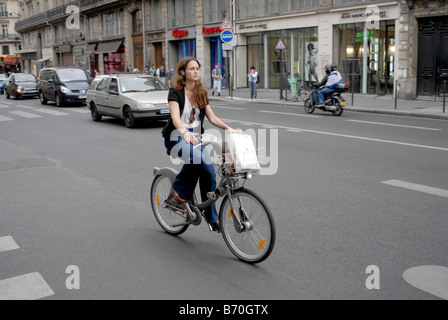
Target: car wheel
42, 98
95, 114
58, 101
129, 119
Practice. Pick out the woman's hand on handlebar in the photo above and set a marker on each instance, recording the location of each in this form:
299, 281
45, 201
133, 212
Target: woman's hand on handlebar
231, 130
190, 137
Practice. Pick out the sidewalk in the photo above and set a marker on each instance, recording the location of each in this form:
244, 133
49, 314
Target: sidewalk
423, 107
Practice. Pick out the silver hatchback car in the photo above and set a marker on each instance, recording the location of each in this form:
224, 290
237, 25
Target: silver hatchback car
130, 97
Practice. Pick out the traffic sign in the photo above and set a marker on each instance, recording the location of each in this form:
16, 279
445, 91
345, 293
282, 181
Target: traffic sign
226, 25
226, 36
280, 45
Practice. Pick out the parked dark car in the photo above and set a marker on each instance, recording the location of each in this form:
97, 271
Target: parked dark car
21, 85
63, 85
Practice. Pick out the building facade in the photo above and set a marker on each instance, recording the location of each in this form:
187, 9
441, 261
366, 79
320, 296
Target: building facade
9, 40
381, 47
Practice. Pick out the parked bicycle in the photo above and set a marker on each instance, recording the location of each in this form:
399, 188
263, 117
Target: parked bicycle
293, 89
247, 225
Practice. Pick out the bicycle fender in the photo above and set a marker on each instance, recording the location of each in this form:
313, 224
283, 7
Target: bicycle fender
168, 172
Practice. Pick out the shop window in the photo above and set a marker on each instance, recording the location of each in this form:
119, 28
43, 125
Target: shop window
366, 57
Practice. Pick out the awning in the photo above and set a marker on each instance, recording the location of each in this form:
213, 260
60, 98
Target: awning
106, 47
42, 60
90, 48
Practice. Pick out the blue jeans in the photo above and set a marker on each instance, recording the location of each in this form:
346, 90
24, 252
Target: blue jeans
197, 166
322, 93
253, 90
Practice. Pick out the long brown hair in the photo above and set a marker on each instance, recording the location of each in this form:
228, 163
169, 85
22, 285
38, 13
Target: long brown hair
199, 92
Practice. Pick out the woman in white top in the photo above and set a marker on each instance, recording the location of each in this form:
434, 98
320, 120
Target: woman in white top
189, 106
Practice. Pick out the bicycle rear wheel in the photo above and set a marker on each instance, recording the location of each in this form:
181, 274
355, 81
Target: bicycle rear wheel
287, 94
257, 239
166, 217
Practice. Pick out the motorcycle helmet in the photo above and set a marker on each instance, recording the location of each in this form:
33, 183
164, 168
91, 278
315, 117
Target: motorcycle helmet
331, 67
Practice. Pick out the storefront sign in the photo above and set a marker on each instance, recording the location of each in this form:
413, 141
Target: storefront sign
253, 26
361, 15
211, 30
179, 33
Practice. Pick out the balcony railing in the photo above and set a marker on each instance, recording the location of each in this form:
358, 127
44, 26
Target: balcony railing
9, 37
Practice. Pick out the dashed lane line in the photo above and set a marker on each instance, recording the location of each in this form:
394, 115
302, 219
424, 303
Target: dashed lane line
417, 187
290, 114
3, 118
7, 244
394, 125
25, 114
52, 112
30, 286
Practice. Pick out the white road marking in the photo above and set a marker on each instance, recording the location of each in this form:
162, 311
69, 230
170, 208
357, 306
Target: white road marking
290, 114
3, 118
25, 114
345, 135
29, 286
52, 112
23, 106
7, 244
417, 187
78, 110
431, 279
394, 125
230, 108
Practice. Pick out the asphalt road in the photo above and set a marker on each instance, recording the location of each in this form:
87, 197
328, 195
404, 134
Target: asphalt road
349, 195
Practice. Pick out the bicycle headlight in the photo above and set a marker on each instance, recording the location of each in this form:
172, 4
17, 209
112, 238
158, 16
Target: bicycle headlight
249, 175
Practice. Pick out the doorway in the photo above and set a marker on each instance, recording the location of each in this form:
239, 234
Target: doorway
432, 55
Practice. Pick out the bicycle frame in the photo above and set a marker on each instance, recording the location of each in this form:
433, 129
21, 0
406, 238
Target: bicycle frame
225, 187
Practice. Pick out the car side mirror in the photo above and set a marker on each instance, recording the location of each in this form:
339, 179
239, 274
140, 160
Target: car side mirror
114, 92
51, 80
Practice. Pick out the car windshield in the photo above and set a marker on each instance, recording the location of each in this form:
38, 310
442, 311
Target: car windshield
66, 75
141, 84
2, 76
25, 78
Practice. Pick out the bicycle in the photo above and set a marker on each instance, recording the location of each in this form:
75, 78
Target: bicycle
295, 89
247, 225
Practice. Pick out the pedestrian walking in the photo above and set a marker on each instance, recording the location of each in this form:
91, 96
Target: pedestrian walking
253, 81
217, 77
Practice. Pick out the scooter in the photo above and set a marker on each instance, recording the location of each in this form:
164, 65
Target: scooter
334, 102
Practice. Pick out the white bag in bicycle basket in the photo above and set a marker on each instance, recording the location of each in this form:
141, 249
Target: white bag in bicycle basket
243, 152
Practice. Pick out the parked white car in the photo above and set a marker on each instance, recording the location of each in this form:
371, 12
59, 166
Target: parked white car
130, 97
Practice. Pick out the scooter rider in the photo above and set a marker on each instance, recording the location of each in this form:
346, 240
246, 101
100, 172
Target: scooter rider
317, 85
333, 79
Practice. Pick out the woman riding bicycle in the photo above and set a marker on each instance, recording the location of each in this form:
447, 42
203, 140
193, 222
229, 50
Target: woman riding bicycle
189, 106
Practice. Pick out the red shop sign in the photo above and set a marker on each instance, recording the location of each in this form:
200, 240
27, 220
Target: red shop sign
211, 30
179, 33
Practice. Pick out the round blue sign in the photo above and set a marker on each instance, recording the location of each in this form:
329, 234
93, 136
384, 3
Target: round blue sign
226, 36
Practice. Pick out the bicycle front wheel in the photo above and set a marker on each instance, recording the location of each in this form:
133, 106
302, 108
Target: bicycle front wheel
255, 242
304, 93
166, 217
